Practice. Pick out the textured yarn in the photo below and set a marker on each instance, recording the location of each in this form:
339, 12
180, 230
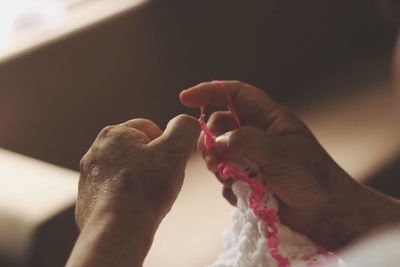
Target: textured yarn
245, 241
256, 238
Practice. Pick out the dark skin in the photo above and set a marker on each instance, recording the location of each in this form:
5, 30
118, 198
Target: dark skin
133, 172
317, 197
130, 178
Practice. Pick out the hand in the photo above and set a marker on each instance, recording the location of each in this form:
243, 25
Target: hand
134, 169
305, 179
130, 178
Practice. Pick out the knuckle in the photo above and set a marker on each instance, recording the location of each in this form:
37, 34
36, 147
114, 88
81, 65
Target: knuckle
242, 85
186, 119
216, 117
119, 134
106, 131
189, 123
87, 164
203, 84
238, 82
221, 122
137, 123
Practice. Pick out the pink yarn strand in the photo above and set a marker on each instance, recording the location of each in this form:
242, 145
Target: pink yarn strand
230, 105
258, 191
209, 139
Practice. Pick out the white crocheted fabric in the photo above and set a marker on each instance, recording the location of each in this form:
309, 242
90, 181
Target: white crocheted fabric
245, 241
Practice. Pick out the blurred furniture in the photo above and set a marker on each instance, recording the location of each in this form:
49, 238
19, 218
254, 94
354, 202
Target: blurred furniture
37, 199
135, 63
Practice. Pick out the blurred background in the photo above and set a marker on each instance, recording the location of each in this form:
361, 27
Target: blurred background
69, 68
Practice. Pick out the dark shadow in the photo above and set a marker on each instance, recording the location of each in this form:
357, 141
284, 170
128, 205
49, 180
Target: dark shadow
54, 240
388, 180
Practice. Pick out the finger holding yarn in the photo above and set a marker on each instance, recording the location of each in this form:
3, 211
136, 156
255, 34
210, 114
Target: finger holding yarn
256, 237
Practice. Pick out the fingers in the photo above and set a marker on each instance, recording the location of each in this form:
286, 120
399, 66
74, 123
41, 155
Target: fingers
133, 131
246, 143
145, 126
120, 135
219, 123
179, 136
209, 93
252, 105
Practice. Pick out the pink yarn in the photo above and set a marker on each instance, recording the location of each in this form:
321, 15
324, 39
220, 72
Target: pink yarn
268, 215
258, 190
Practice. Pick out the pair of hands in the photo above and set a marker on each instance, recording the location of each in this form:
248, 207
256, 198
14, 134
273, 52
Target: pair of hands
136, 168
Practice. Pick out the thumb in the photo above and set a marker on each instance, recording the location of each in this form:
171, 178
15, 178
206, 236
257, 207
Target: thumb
179, 137
244, 143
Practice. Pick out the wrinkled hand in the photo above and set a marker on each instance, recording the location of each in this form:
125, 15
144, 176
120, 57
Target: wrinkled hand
135, 168
292, 162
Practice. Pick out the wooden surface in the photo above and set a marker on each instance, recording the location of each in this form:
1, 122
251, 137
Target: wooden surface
37, 25
36, 211
56, 98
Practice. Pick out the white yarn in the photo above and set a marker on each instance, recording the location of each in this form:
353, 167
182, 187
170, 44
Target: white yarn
245, 242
